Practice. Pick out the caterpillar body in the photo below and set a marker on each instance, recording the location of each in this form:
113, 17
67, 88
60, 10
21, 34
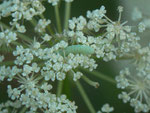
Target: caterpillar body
77, 49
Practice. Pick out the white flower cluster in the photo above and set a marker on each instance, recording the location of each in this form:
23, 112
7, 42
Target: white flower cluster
143, 62
42, 23
6, 37
55, 66
29, 93
135, 82
4, 107
137, 88
137, 15
25, 55
34, 99
115, 42
8, 72
46, 37
106, 109
54, 56
59, 66
20, 28
21, 9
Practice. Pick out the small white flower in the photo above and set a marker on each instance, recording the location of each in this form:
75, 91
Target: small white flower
120, 9
141, 27
77, 76
26, 70
106, 108
53, 2
21, 28
42, 23
124, 96
47, 37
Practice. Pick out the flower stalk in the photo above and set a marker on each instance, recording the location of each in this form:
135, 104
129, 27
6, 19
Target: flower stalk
67, 14
90, 82
85, 97
58, 22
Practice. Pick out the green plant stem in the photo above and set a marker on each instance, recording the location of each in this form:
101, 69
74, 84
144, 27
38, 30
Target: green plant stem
16, 43
85, 97
50, 30
33, 22
7, 63
58, 22
9, 48
59, 88
100, 75
42, 16
23, 110
24, 37
90, 82
67, 87
128, 57
67, 14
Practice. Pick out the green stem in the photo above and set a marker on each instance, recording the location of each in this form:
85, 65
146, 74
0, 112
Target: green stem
33, 22
7, 49
23, 110
100, 75
67, 14
24, 37
59, 88
128, 57
42, 16
90, 82
67, 87
16, 43
50, 30
7, 63
58, 22
85, 97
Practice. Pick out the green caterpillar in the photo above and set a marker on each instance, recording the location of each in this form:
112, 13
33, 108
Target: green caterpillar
77, 49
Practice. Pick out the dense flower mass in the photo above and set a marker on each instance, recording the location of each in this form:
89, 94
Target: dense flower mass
138, 87
40, 56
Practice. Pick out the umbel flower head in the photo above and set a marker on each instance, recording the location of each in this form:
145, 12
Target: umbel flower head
41, 55
136, 90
